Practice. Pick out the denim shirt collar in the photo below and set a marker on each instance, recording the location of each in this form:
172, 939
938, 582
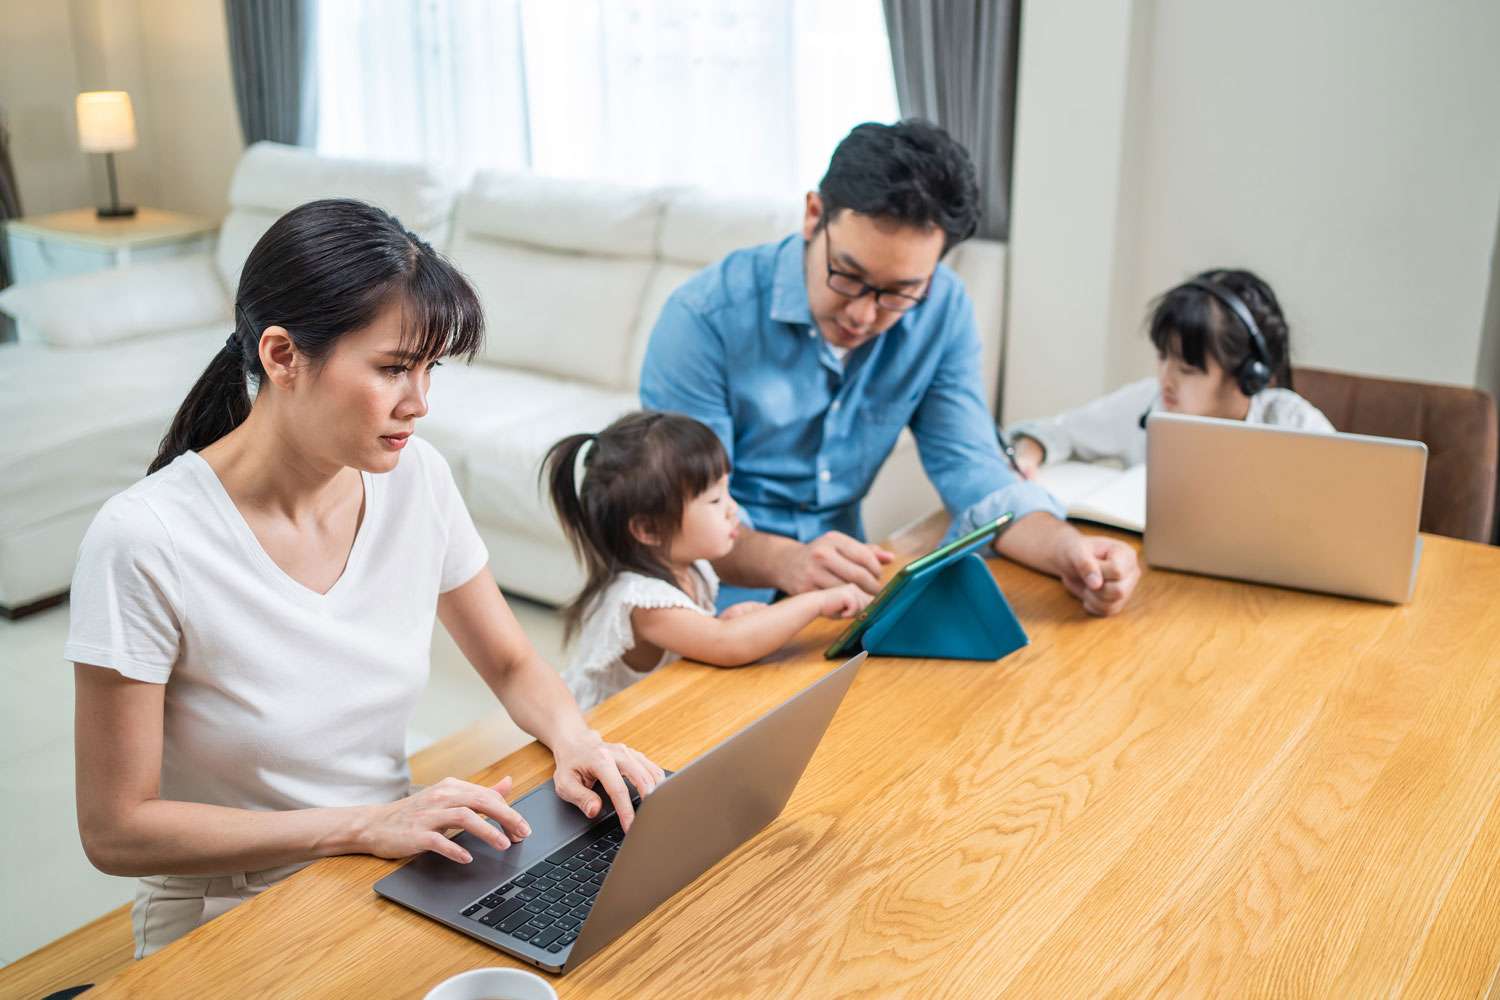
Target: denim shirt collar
789, 286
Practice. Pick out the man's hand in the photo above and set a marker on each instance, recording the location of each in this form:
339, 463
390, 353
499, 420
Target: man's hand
832, 559
1101, 572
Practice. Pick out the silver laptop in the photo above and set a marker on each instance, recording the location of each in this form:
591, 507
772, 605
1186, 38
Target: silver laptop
576, 884
1336, 513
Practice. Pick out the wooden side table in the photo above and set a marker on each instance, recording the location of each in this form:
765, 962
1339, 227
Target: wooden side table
77, 241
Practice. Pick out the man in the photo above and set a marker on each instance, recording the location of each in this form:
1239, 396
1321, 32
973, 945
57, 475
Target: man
808, 356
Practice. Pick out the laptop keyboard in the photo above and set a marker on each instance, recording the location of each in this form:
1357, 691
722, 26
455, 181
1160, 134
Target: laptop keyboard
547, 903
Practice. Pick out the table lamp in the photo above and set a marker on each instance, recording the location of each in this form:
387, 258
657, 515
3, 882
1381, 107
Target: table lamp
106, 124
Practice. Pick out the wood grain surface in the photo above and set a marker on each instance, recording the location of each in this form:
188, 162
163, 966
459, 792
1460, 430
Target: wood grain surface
1229, 790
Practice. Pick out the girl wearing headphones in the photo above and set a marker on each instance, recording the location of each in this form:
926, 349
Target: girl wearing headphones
1223, 350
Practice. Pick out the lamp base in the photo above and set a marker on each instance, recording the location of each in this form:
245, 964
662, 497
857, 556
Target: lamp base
115, 211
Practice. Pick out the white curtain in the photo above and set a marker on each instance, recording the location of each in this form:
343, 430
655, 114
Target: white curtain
741, 96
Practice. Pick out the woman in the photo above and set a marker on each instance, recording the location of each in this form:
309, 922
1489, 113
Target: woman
251, 622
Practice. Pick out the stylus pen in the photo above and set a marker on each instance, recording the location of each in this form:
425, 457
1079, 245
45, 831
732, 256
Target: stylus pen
1010, 451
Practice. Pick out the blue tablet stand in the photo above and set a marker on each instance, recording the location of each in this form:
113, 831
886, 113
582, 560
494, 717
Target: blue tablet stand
953, 611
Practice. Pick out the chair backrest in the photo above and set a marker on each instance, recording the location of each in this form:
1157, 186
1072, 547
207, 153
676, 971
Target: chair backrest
1458, 425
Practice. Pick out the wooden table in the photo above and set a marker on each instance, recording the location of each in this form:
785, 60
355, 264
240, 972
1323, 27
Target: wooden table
1228, 791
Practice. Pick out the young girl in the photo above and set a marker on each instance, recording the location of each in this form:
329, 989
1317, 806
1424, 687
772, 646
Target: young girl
651, 512
1223, 350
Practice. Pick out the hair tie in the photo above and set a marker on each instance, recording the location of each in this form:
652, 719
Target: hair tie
584, 456
232, 345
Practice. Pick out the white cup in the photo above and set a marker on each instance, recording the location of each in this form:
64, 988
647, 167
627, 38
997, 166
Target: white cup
493, 984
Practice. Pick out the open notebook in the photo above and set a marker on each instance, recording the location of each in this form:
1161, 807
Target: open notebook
1100, 493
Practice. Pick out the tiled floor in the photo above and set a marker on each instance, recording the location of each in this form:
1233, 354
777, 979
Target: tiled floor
47, 886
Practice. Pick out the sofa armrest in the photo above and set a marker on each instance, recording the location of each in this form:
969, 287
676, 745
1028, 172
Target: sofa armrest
126, 303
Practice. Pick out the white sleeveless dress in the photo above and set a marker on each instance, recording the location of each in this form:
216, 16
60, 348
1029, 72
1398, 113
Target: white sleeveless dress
597, 668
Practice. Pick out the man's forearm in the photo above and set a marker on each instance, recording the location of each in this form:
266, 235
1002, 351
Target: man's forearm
1033, 541
757, 559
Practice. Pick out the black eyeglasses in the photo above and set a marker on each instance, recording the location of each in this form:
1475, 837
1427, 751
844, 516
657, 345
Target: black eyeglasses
853, 287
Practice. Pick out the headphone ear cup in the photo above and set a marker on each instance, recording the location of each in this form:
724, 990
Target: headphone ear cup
1253, 376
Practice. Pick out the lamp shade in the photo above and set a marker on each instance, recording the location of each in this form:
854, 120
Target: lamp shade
106, 122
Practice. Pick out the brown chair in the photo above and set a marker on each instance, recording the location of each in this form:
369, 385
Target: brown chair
1456, 423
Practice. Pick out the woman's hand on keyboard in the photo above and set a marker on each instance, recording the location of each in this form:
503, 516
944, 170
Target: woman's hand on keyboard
585, 759
416, 823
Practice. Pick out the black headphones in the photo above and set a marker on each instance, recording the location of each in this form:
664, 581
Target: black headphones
1254, 373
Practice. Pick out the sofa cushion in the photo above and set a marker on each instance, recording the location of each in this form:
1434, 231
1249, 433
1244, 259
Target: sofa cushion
501, 467
576, 216
470, 404
699, 228
124, 303
980, 264
86, 423
665, 279
272, 178
563, 314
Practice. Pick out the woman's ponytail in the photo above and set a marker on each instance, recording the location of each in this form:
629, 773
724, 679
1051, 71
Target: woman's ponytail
218, 403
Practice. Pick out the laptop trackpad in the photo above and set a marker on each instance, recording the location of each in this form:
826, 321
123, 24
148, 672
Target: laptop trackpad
442, 883
553, 823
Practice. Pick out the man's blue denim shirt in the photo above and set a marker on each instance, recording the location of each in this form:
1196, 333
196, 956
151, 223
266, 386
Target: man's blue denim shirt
736, 347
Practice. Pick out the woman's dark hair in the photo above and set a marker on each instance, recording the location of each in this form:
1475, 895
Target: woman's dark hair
912, 172
1189, 323
323, 269
645, 466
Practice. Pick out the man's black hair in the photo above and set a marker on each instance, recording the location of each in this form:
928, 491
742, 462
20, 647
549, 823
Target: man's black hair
912, 172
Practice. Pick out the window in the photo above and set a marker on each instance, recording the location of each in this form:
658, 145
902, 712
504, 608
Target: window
742, 96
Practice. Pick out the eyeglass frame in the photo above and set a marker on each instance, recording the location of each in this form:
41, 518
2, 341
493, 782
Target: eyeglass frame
910, 302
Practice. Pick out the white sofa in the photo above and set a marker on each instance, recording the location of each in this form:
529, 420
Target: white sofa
572, 276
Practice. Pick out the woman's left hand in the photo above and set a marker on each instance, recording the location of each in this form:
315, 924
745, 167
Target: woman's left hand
584, 760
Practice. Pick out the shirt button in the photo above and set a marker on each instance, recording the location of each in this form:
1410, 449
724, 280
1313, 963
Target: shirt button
825, 475
836, 405
812, 333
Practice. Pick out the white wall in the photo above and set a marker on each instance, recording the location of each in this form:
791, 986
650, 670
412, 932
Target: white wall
197, 126
173, 59
38, 82
1489, 350
1348, 150
1070, 172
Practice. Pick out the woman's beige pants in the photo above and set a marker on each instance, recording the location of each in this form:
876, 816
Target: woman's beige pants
168, 906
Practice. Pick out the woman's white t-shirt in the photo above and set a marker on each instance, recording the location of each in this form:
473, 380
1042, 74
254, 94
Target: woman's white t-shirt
277, 697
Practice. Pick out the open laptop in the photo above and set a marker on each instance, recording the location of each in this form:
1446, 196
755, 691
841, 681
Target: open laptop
576, 884
1336, 513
